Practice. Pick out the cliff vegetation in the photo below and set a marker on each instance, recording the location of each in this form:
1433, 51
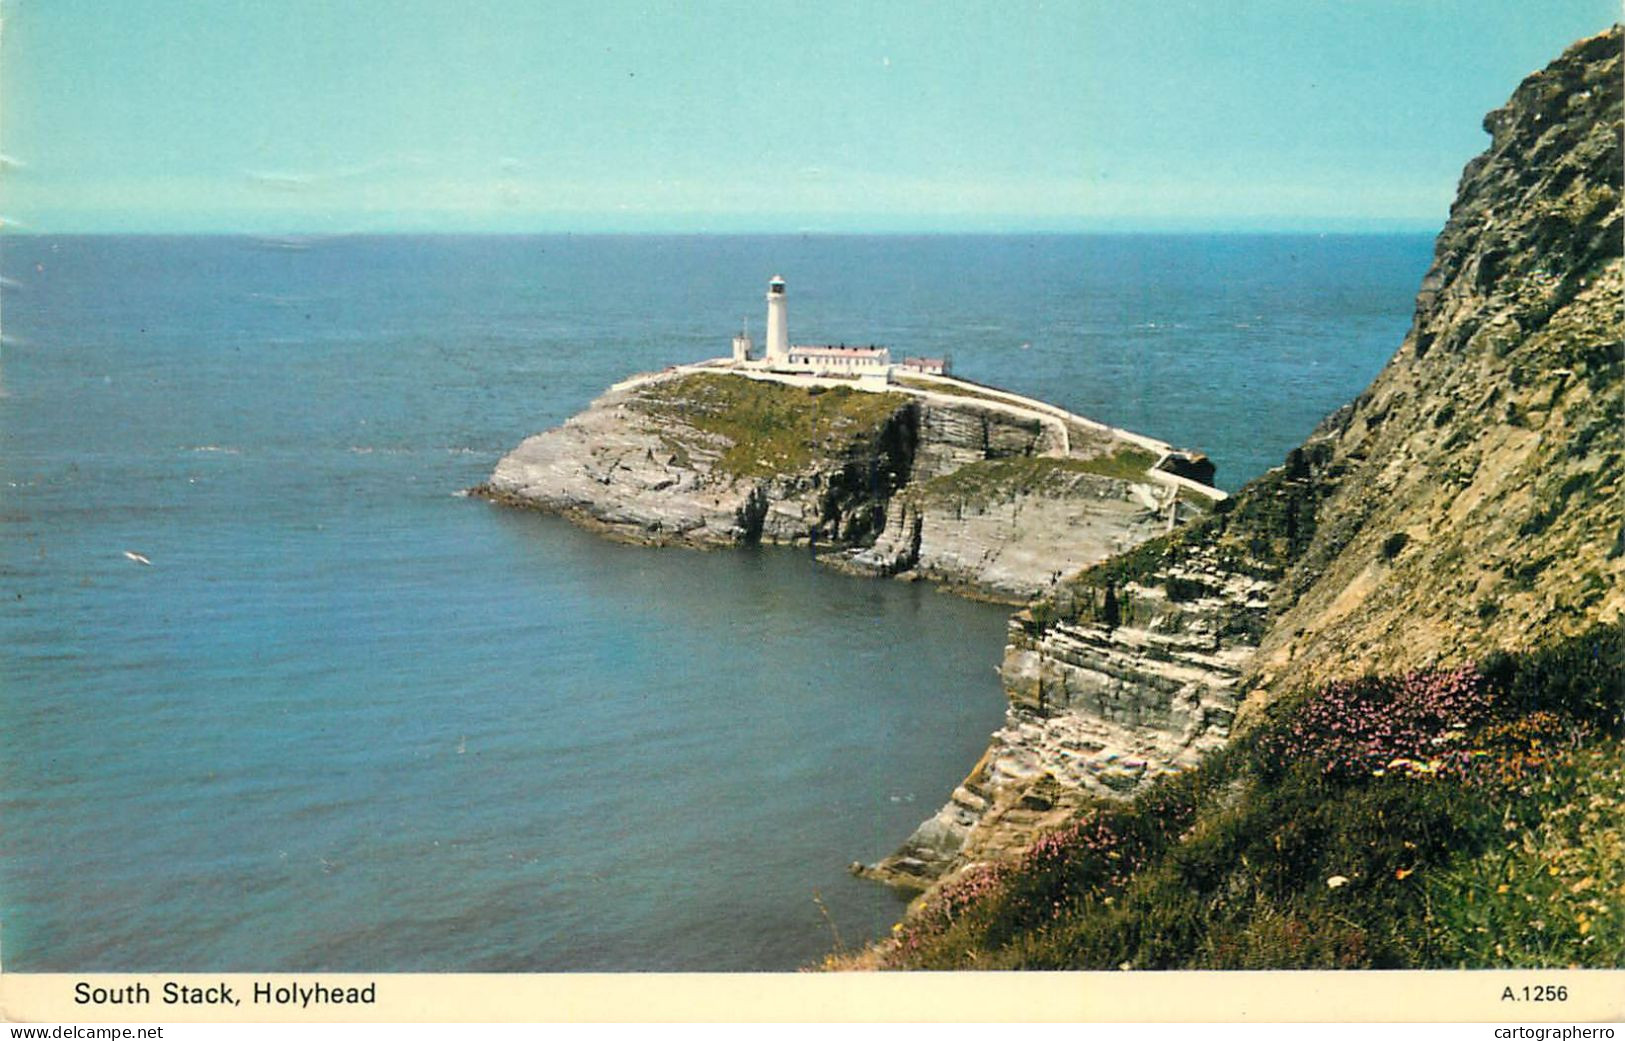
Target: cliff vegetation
766, 428
1466, 817
1366, 713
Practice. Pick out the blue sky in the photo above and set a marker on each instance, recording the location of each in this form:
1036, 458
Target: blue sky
522, 115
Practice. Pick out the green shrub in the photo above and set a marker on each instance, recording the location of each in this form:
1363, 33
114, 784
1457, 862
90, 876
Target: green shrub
1182, 589
1582, 677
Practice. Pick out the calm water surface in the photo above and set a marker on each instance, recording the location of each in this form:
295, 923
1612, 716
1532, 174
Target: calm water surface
347, 720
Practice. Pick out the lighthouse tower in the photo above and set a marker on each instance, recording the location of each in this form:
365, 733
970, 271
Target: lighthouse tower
778, 330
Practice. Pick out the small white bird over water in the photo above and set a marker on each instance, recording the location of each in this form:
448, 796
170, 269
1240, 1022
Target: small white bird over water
138, 558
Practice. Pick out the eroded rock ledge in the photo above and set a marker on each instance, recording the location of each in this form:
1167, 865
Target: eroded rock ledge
1102, 699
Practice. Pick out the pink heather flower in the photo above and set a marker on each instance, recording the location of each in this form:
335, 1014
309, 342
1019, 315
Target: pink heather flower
1357, 728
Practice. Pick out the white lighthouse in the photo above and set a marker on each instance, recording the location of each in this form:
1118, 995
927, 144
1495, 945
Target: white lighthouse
778, 329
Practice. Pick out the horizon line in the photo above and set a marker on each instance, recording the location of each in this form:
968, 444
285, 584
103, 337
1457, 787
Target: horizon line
1406, 228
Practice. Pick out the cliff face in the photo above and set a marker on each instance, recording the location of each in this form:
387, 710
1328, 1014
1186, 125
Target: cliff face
1119, 676
1471, 496
999, 500
1469, 501
1013, 526
712, 460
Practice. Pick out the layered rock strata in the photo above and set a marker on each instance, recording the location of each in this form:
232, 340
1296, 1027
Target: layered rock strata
1100, 702
1469, 501
1026, 536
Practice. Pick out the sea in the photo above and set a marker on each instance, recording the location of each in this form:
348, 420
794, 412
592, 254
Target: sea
275, 697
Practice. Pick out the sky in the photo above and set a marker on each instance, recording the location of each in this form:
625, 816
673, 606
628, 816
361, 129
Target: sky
312, 116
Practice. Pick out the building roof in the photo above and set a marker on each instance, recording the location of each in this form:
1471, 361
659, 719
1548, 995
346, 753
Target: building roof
830, 351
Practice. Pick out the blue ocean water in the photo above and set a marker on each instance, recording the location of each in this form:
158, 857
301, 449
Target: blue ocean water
348, 720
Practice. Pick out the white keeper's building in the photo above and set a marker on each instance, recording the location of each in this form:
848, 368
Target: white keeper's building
867, 364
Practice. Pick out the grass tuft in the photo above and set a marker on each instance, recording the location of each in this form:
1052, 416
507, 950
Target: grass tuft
999, 480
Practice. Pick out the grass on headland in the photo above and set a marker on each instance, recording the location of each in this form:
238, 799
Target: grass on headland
770, 428
1439, 819
999, 480
1197, 501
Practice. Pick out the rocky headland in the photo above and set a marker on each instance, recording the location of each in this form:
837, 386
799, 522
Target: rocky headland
988, 493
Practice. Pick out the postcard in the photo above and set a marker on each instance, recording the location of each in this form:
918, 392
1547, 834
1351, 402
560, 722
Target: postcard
852, 512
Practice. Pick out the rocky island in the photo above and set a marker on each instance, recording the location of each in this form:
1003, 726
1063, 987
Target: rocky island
916, 474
